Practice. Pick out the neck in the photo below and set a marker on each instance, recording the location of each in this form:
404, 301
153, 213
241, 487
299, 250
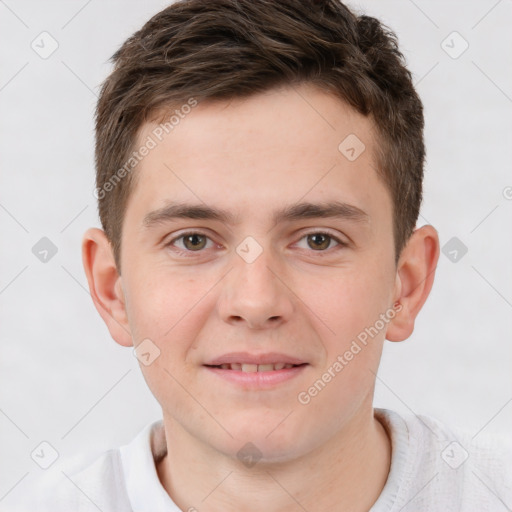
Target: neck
351, 468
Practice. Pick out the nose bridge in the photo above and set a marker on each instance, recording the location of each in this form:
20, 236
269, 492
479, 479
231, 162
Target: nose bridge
253, 293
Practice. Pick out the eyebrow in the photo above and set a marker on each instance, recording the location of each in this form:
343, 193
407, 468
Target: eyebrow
294, 212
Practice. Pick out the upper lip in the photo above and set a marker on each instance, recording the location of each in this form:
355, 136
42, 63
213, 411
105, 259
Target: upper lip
246, 357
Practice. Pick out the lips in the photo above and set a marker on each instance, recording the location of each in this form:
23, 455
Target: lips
256, 372
251, 368
246, 362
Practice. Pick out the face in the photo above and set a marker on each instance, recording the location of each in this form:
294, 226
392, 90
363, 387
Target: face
271, 281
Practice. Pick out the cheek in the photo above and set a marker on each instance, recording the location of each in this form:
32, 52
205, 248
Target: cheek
347, 302
350, 305
160, 301
350, 308
168, 309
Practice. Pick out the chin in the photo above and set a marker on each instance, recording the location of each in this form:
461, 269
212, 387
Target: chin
272, 439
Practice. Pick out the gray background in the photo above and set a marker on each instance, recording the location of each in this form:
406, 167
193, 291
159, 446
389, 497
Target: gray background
65, 381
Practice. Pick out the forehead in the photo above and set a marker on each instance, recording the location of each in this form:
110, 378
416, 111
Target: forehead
257, 153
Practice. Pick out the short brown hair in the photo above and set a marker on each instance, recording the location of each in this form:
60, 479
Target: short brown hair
224, 49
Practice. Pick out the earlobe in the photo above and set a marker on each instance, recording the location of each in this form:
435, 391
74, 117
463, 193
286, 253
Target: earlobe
414, 280
105, 284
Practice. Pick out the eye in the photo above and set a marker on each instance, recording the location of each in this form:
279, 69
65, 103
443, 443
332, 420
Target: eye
191, 242
321, 241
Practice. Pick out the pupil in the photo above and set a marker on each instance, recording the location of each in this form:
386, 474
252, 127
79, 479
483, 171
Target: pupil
325, 238
193, 239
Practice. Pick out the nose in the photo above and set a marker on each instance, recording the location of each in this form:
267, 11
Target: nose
256, 294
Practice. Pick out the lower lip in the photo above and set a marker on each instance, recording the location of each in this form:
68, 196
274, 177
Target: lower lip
258, 380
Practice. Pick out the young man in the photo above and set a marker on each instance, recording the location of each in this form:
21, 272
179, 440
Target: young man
259, 178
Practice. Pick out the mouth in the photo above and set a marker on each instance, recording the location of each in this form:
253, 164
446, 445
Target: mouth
253, 368
255, 371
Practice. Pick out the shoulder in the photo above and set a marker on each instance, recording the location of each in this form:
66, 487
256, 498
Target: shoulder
437, 466
457, 448
100, 481
80, 484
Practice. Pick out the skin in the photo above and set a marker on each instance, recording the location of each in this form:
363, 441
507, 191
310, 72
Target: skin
252, 157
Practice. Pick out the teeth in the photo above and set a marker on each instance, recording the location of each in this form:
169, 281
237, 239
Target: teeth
251, 368
265, 367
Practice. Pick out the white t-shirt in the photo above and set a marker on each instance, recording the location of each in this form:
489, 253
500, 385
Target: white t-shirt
433, 469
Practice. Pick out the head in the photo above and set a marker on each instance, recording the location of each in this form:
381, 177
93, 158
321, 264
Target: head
259, 178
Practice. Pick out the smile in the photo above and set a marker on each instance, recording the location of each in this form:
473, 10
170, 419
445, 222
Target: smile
251, 368
249, 376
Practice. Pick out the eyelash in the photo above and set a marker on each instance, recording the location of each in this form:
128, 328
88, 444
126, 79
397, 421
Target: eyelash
188, 253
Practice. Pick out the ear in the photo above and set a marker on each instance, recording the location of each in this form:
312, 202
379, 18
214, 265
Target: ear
105, 284
414, 279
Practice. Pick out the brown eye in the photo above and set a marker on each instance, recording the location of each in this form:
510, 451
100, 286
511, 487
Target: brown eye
194, 241
319, 241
